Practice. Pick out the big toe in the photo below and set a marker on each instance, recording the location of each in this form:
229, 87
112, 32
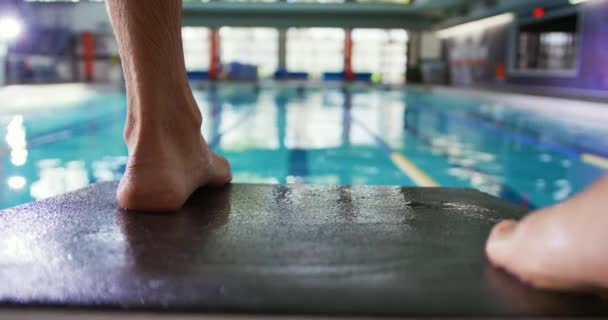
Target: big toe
220, 170
500, 243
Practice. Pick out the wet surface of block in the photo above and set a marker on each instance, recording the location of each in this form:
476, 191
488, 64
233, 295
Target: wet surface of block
270, 249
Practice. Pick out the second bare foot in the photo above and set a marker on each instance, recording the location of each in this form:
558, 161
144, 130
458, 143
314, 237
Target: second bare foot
562, 248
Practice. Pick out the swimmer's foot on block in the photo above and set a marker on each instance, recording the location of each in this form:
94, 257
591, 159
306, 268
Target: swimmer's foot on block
268, 250
168, 158
559, 248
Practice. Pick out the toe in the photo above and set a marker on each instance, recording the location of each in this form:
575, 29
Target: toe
500, 243
220, 170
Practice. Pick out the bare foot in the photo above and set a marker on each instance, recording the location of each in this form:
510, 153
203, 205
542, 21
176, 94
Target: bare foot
564, 247
168, 160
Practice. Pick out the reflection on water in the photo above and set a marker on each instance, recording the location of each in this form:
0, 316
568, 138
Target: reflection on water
564, 189
15, 139
332, 135
16, 182
109, 168
56, 179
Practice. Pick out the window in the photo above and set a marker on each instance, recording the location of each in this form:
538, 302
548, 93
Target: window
381, 52
253, 46
315, 50
548, 45
196, 48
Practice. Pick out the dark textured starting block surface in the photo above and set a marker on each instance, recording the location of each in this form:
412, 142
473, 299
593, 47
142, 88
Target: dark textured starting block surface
270, 249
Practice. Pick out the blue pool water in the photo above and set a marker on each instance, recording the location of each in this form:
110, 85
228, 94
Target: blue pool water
290, 134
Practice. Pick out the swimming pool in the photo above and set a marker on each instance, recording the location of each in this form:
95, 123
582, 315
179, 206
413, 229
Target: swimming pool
63, 138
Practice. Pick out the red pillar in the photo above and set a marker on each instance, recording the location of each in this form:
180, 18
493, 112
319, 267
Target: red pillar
88, 47
501, 72
214, 64
349, 75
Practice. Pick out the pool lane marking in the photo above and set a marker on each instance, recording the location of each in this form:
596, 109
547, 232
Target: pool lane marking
405, 165
595, 160
411, 170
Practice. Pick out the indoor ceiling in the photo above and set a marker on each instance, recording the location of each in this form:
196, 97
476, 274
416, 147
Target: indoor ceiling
406, 14
438, 7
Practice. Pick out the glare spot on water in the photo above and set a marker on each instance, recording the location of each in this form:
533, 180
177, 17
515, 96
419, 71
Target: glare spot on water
564, 189
541, 184
55, 179
485, 157
18, 157
109, 168
76, 175
16, 182
459, 173
546, 158
477, 180
466, 162
16, 140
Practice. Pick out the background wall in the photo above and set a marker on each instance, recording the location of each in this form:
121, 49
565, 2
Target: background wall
476, 57
51, 47
77, 17
481, 57
593, 57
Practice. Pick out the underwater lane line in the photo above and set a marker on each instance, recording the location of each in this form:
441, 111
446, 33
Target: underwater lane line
595, 160
419, 176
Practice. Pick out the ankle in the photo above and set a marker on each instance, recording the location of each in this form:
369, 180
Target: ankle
163, 119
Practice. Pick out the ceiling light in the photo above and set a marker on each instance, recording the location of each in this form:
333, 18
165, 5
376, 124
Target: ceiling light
10, 29
476, 26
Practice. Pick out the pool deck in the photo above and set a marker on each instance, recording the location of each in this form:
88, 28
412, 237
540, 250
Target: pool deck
256, 250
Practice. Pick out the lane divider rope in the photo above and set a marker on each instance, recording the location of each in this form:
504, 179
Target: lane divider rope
597, 161
474, 121
411, 170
